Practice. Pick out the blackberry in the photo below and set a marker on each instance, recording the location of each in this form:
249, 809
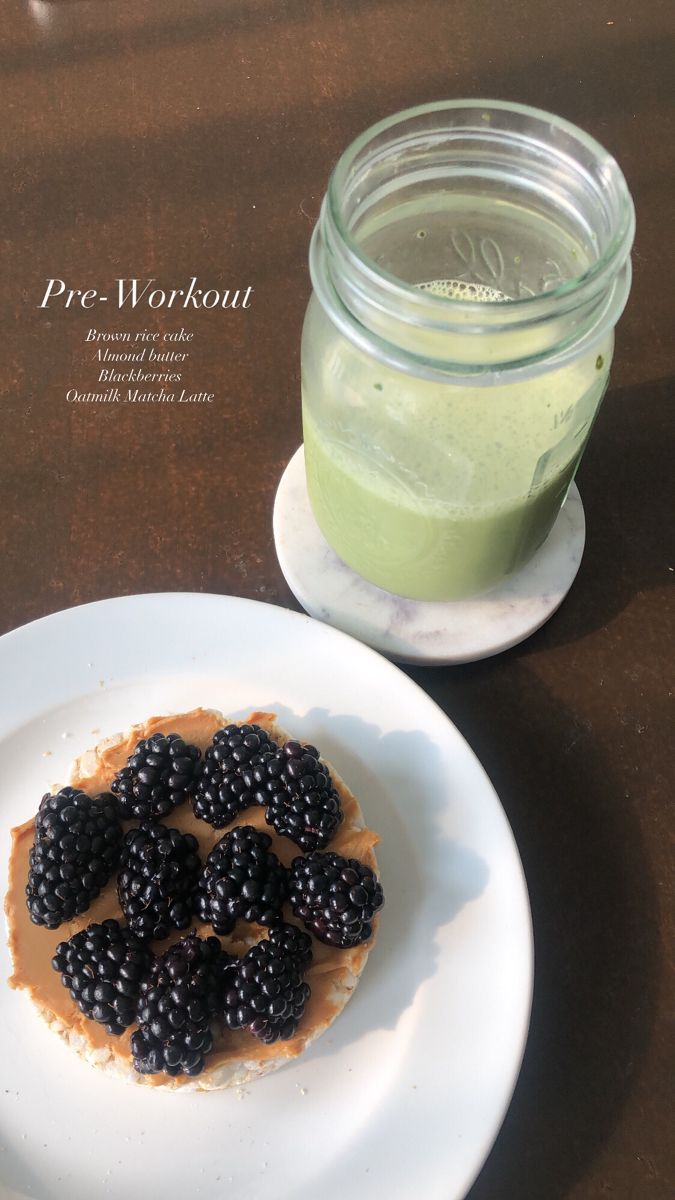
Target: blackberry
178, 1001
289, 939
221, 793
76, 849
300, 800
159, 869
242, 878
335, 897
265, 991
159, 775
102, 967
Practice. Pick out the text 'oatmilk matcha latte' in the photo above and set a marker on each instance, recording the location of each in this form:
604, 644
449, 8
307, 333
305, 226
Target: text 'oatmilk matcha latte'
469, 266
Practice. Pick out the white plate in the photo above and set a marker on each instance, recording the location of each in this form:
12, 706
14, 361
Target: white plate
405, 1093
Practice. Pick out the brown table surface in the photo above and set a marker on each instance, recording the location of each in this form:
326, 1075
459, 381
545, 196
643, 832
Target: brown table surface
165, 139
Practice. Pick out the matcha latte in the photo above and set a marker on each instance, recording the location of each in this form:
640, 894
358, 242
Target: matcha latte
469, 265
437, 491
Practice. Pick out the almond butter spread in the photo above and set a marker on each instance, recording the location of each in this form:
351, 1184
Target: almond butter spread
32, 946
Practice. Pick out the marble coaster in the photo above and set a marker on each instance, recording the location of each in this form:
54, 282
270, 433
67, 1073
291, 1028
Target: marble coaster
418, 631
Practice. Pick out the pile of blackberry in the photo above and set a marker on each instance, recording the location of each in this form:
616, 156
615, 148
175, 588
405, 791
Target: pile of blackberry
179, 1000
335, 897
159, 871
102, 967
160, 774
243, 879
108, 968
265, 991
76, 849
221, 793
297, 791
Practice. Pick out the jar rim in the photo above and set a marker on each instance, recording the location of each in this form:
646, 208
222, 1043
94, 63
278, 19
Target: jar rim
607, 263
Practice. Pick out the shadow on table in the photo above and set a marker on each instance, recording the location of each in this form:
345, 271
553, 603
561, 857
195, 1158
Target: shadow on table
595, 925
626, 472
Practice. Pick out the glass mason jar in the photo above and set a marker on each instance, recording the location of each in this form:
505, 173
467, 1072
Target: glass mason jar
469, 265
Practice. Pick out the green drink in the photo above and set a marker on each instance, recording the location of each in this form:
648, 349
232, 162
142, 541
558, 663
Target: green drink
439, 492
468, 268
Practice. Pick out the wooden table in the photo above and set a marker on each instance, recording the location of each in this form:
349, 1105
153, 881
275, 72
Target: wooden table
164, 139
